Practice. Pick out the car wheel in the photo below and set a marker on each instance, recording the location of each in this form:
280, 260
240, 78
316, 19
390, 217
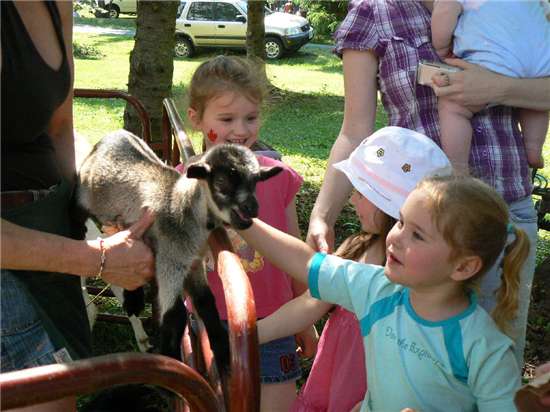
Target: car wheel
273, 48
184, 47
114, 11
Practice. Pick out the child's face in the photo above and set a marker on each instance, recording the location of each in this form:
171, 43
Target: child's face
417, 254
228, 118
369, 215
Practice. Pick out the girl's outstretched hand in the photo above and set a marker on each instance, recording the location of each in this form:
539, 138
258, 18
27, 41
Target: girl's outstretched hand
129, 261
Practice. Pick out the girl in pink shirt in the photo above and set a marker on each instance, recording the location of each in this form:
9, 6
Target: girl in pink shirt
225, 96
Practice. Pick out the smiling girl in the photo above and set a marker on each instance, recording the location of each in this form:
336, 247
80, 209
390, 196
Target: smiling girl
225, 99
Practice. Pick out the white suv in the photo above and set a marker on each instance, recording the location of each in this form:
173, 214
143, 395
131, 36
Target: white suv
222, 23
115, 7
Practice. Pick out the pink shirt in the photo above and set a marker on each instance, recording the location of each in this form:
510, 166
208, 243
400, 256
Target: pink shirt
272, 288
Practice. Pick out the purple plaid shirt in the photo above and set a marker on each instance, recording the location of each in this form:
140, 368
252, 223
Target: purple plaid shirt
398, 32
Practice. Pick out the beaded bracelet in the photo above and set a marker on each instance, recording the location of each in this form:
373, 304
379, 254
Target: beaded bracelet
103, 257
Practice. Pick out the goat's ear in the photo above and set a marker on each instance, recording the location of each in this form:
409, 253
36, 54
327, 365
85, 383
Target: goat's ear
198, 170
267, 172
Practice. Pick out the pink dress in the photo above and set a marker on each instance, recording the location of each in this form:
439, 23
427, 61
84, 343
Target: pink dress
337, 381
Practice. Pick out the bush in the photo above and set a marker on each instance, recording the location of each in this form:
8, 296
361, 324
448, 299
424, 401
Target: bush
86, 51
84, 8
322, 21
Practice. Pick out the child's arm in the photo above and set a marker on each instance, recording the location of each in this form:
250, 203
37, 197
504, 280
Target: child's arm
291, 318
444, 18
306, 337
288, 253
294, 229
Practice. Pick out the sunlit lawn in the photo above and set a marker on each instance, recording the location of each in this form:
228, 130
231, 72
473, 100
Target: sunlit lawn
302, 125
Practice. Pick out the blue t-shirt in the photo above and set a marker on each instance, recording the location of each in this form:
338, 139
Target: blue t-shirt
507, 37
460, 364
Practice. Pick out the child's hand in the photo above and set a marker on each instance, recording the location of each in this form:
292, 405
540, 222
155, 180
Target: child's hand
307, 342
535, 395
540, 371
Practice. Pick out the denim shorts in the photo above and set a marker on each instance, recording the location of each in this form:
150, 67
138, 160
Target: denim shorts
279, 361
24, 341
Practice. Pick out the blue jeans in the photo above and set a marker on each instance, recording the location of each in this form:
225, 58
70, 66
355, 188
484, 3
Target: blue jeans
24, 343
523, 216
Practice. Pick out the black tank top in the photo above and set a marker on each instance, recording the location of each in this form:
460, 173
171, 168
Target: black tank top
31, 92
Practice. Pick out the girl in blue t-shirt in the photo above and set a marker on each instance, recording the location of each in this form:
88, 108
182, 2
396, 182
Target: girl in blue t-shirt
428, 345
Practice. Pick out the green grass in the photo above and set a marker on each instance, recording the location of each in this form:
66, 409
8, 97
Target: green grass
123, 22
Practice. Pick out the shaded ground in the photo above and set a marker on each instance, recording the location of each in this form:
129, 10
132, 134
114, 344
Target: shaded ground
538, 327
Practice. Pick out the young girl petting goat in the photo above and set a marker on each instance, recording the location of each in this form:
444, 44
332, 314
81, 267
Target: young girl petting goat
428, 345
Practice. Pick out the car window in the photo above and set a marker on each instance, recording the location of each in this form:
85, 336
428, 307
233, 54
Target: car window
225, 12
180, 9
200, 11
243, 5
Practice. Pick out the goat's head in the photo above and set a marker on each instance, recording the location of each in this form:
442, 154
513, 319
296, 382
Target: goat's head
231, 173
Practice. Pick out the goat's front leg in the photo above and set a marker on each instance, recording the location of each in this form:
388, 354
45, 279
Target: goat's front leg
173, 314
133, 303
197, 288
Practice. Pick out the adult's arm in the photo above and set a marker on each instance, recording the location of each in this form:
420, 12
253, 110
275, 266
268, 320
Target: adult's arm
478, 86
360, 88
129, 262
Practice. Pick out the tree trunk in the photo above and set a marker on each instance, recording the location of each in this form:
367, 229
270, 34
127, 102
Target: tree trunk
255, 32
152, 62
255, 35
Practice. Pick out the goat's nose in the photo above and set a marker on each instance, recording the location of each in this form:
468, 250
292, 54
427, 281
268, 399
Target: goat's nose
250, 208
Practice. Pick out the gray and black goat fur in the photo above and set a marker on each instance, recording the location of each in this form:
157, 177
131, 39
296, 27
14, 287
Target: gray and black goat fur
122, 176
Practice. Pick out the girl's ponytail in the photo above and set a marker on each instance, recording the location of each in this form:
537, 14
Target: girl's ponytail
508, 293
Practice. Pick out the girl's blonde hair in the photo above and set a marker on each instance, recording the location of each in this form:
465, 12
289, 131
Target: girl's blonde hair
225, 74
474, 220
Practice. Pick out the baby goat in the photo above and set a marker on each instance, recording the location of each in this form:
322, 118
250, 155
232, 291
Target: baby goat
122, 176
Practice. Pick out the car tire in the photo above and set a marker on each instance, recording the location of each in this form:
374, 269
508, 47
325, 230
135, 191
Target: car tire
114, 11
184, 47
273, 48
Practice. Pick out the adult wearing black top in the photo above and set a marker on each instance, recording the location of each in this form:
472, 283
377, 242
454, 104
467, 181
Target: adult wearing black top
43, 316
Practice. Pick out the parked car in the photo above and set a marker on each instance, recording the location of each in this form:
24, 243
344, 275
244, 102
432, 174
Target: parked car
115, 7
222, 23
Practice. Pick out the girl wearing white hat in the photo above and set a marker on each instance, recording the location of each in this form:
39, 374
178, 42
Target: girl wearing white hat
383, 170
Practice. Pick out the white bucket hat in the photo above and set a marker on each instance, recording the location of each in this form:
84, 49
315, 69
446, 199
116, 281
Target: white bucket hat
388, 164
